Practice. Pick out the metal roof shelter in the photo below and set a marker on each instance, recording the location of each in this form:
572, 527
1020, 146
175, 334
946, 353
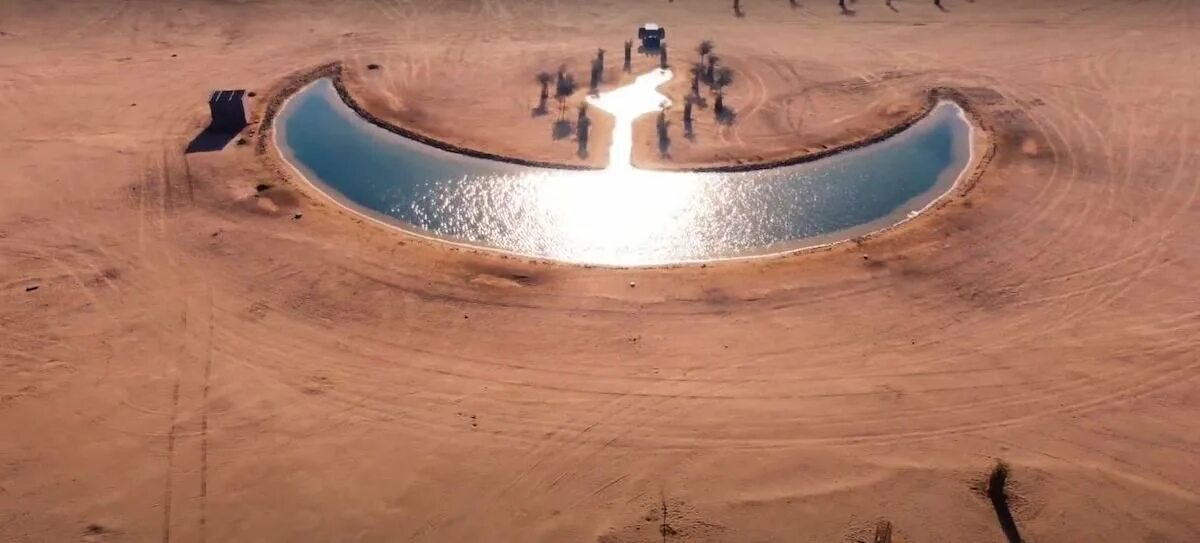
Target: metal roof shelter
651, 35
229, 111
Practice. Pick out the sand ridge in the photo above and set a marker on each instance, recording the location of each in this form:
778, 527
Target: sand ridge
199, 364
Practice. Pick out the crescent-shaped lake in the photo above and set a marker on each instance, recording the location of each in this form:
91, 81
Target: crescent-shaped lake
619, 216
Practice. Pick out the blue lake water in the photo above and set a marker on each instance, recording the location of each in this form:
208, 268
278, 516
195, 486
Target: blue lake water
619, 217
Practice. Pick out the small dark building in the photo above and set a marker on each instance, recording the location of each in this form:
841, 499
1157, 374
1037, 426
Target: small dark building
229, 111
652, 36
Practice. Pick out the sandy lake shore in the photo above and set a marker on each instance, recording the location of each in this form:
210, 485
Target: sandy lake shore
773, 123
195, 347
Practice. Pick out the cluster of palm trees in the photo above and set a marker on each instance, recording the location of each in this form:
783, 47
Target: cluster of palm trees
564, 87
847, 11
710, 71
737, 6
707, 71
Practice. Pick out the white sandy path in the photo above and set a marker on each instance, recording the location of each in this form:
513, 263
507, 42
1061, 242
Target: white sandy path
626, 104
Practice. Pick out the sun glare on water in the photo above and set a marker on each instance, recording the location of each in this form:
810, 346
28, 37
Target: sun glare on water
651, 207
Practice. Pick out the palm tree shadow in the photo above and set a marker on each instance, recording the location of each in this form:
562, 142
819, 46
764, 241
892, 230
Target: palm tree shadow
561, 129
726, 116
999, 497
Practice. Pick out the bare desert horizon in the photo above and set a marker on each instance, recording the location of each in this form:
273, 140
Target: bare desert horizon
203, 347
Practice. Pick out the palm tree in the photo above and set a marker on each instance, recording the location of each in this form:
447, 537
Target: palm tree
582, 132
664, 137
544, 79
722, 79
710, 73
705, 47
563, 89
597, 70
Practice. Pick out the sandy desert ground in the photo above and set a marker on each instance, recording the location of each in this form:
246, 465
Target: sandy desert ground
185, 359
783, 106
